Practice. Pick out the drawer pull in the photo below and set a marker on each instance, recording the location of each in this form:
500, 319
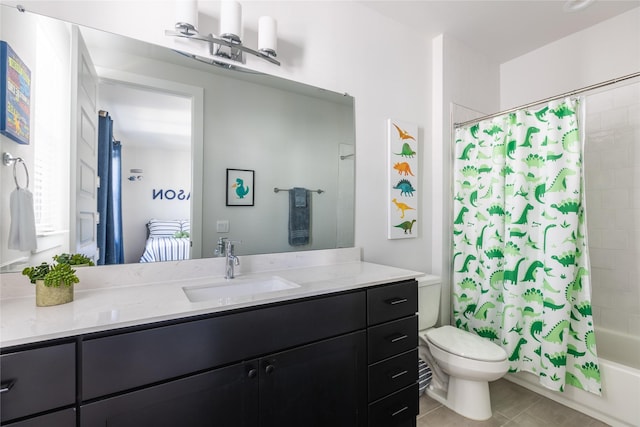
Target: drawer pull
252, 373
395, 301
399, 374
399, 411
5, 387
397, 338
269, 369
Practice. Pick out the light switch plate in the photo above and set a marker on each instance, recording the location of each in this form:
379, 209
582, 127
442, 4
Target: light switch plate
222, 226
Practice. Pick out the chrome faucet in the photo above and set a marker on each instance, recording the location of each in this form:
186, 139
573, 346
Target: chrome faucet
232, 260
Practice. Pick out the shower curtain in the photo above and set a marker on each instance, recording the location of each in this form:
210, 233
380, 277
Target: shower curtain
520, 260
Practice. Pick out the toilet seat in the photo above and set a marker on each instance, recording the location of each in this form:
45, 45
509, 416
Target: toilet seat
465, 344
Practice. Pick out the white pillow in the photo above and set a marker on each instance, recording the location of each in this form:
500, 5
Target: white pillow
164, 228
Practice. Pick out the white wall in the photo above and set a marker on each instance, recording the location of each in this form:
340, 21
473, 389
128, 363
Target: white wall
605, 51
340, 46
612, 159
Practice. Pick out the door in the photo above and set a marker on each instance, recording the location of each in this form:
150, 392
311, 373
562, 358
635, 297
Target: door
317, 385
84, 150
226, 397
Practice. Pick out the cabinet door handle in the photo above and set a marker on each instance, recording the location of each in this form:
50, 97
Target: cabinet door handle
396, 338
252, 373
399, 374
399, 411
269, 369
6, 386
394, 301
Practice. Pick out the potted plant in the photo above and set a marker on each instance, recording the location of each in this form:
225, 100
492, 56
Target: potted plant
79, 260
54, 281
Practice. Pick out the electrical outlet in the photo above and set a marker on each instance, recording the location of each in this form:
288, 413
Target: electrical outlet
222, 226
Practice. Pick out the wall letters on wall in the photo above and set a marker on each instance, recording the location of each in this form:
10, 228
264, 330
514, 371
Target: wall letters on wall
169, 194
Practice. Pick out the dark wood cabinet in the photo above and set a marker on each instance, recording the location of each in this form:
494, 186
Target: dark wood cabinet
392, 351
318, 385
119, 362
346, 359
222, 397
62, 418
37, 380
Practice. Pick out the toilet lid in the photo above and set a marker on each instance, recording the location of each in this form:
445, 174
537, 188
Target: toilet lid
465, 344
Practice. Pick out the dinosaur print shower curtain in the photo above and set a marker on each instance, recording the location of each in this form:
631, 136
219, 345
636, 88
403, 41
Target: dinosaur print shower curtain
520, 260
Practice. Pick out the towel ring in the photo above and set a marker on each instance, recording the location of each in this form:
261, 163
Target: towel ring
8, 159
15, 175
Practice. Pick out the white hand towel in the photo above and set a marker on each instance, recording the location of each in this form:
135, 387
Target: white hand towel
22, 233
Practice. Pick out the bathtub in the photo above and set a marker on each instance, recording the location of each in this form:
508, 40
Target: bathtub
619, 357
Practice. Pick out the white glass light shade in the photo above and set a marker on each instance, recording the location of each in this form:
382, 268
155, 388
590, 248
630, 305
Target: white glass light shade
230, 19
187, 12
267, 35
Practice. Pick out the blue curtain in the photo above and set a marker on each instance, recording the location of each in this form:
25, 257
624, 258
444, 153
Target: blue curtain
109, 194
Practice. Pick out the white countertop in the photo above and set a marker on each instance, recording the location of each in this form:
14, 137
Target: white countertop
101, 308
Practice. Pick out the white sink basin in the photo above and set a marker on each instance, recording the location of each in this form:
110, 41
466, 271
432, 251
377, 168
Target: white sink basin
231, 290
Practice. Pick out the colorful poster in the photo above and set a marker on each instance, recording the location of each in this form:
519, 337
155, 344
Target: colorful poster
15, 94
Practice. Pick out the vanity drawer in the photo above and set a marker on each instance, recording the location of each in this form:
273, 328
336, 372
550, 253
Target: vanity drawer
392, 374
392, 338
37, 380
397, 410
391, 302
120, 362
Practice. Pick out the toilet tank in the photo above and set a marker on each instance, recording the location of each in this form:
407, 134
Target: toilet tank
428, 301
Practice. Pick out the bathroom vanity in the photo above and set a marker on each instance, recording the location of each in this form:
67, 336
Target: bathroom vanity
334, 352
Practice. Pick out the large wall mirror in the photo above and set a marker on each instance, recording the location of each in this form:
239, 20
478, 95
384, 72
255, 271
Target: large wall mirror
187, 132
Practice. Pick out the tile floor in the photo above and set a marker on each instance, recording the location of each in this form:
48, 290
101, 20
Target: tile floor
513, 406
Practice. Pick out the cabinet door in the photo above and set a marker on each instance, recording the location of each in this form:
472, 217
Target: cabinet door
322, 384
226, 397
37, 380
64, 418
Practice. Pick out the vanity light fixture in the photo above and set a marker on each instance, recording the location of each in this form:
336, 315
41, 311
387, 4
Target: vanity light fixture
227, 49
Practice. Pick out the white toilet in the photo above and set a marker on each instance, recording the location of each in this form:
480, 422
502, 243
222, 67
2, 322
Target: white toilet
469, 360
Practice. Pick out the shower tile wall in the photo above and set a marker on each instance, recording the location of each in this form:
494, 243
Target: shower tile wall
612, 164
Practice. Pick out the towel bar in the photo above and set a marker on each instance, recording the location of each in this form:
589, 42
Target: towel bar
277, 190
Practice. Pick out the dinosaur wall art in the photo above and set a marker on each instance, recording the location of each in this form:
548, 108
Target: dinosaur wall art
403, 189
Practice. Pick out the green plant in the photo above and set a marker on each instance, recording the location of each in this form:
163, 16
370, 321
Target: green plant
58, 273
38, 272
73, 259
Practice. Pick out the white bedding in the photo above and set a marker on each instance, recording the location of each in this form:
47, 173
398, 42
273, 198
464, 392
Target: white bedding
166, 249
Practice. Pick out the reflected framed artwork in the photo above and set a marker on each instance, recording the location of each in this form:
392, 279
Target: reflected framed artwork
15, 96
240, 187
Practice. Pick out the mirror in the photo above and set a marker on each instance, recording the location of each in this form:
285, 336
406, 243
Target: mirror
175, 165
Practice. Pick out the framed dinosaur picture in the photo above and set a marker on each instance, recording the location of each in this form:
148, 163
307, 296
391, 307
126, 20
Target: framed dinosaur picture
240, 187
403, 184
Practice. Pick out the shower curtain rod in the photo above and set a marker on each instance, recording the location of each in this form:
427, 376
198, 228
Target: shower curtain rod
552, 98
